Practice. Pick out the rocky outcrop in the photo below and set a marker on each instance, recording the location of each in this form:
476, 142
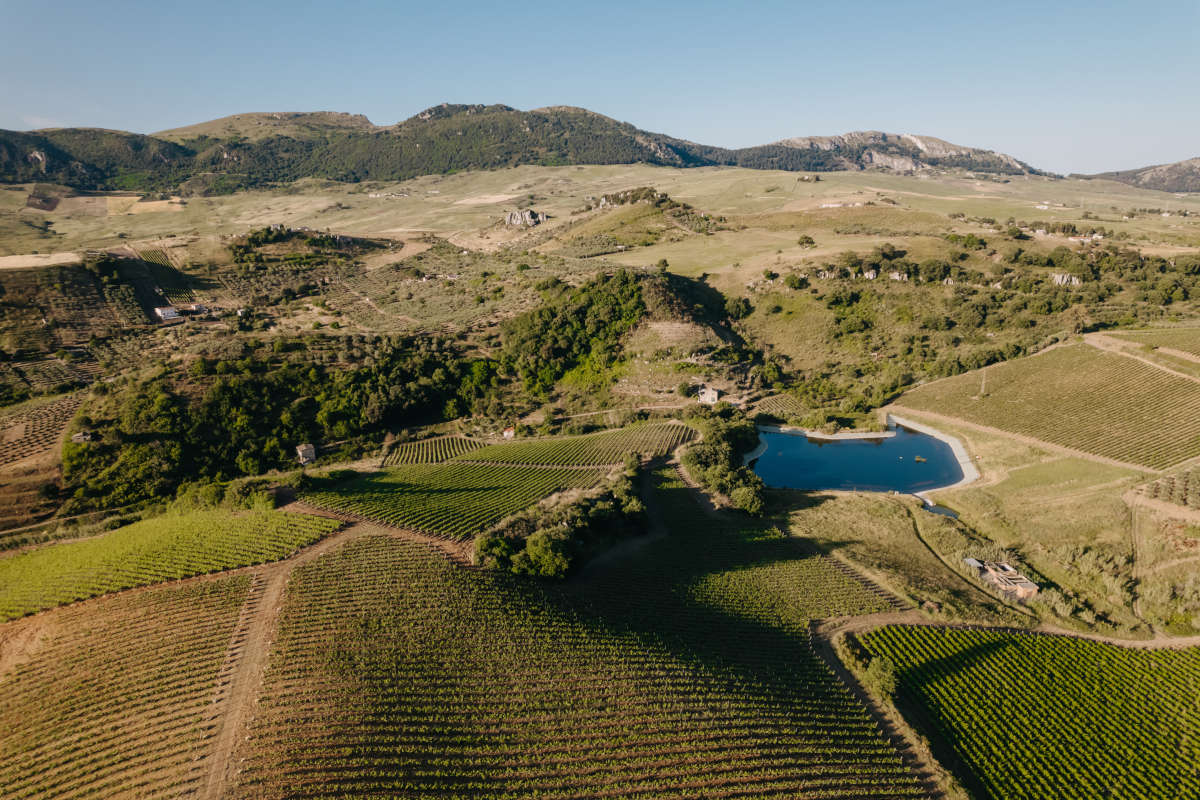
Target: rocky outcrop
526, 218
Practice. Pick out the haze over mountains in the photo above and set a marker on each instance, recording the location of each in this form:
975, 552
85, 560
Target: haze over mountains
248, 150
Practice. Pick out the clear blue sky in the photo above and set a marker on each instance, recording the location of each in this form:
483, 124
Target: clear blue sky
1065, 85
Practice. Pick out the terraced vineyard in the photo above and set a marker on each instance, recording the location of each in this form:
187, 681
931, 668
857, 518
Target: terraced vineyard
36, 430
454, 500
593, 449
1036, 716
398, 674
1079, 397
1186, 340
430, 451
116, 698
1181, 488
783, 406
159, 549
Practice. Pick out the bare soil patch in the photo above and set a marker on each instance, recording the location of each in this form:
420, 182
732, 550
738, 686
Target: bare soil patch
35, 260
484, 199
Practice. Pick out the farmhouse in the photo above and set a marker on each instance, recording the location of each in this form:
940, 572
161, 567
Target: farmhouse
510, 432
306, 453
166, 313
709, 395
1002, 576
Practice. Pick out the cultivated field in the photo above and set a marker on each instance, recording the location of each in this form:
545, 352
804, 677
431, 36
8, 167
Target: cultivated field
453, 500
1037, 716
115, 698
158, 549
35, 429
682, 674
593, 449
1180, 488
430, 451
1185, 340
1079, 397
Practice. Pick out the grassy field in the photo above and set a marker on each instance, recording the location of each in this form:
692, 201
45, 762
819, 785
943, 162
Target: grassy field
1079, 397
593, 449
891, 538
454, 500
1035, 716
163, 548
114, 698
684, 672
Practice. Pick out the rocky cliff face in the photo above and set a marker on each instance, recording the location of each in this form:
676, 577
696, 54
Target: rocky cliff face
903, 152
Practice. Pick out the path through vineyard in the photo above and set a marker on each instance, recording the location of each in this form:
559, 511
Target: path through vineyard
249, 650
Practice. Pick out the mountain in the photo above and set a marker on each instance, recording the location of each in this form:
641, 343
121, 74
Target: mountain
1182, 176
254, 149
255, 127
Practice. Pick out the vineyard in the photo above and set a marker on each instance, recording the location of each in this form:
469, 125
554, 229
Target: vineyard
1181, 488
37, 430
455, 500
429, 451
1037, 716
170, 282
593, 449
784, 406
159, 549
1078, 397
397, 674
117, 699
1186, 340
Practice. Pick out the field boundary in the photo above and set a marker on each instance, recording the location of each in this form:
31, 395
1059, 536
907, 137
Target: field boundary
1111, 345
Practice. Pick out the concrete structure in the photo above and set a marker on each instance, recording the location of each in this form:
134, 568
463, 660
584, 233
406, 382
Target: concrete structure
306, 453
708, 395
166, 313
1004, 578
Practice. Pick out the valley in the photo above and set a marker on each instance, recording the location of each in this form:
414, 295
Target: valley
436, 487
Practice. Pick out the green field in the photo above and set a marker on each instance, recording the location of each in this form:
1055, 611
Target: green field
159, 549
1038, 716
683, 673
116, 698
1080, 397
430, 451
593, 449
455, 500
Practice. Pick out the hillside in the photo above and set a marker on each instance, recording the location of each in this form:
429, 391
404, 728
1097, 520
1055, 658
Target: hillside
1182, 176
256, 149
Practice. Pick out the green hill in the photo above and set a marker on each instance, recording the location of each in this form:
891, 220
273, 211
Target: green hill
254, 149
1181, 176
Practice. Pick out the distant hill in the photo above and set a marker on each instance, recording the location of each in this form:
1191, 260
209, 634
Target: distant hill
1182, 176
295, 124
255, 149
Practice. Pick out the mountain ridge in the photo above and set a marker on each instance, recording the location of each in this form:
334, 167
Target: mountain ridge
257, 148
1177, 176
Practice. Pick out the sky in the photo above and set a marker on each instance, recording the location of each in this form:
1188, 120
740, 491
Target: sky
1067, 86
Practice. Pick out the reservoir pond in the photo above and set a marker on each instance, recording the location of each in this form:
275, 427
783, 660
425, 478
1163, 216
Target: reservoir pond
907, 462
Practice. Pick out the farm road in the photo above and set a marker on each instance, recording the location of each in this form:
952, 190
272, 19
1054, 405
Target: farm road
1122, 348
249, 649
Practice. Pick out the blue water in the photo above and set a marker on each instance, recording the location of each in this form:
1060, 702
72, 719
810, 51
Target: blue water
793, 461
